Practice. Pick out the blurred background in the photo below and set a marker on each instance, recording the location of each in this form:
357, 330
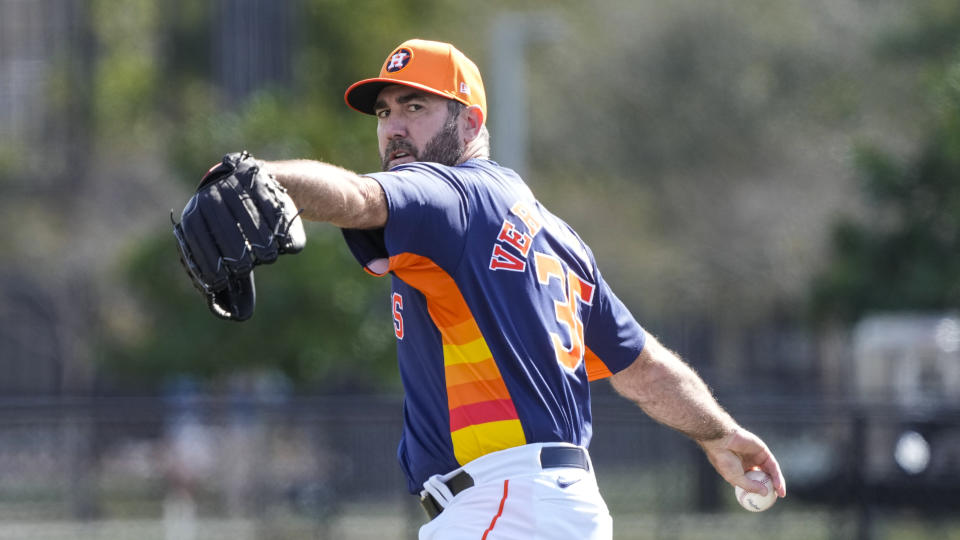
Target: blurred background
773, 188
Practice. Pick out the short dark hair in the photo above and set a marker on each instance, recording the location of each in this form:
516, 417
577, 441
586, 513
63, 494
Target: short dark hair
454, 108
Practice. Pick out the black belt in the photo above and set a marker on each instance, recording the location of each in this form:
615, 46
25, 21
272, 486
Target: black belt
551, 457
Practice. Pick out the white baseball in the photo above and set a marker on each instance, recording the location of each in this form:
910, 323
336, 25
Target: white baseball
755, 502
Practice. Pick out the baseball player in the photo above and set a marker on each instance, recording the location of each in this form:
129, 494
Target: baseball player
501, 316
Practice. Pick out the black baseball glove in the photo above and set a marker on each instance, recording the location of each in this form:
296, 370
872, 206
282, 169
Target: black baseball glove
238, 218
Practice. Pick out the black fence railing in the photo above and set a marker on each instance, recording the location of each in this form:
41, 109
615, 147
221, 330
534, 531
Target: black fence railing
324, 460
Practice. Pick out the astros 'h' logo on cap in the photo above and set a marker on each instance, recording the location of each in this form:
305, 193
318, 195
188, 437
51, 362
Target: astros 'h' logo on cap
399, 60
439, 69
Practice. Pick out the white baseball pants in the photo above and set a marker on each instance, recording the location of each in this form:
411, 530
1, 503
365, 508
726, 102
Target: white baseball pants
514, 498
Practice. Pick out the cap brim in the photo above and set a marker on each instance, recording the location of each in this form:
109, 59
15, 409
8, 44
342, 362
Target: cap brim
362, 95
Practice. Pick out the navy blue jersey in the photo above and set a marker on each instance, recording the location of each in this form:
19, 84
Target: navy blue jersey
501, 315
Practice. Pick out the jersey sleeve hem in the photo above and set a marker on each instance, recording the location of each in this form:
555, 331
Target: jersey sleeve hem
597, 369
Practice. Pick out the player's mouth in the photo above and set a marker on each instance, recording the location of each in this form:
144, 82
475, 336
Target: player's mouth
401, 156
398, 152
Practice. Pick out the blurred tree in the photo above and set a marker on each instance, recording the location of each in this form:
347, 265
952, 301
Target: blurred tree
905, 252
320, 319
709, 133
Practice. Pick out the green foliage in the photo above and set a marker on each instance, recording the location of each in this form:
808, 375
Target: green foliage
931, 33
125, 79
335, 43
319, 319
676, 109
907, 255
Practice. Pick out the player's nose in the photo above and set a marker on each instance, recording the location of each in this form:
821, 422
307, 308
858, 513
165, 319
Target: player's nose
394, 127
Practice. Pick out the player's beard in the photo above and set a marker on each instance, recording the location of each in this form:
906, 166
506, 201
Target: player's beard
445, 147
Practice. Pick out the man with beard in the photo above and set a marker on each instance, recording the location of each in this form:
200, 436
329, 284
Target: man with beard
501, 317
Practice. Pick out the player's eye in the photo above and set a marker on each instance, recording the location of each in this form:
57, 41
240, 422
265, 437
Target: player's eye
414, 107
382, 113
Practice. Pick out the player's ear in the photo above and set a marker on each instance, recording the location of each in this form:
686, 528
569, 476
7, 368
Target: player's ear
472, 118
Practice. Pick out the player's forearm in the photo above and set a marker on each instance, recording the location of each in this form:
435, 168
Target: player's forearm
332, 194
670, 392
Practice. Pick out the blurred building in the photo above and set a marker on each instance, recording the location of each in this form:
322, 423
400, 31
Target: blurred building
907, 365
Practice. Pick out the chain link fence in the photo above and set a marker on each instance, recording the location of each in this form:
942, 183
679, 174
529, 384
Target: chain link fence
245, 467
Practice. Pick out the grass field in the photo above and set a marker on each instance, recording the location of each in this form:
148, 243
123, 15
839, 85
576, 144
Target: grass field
389, 523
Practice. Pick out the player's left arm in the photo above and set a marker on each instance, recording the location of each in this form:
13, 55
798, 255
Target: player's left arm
332, 194
672, 393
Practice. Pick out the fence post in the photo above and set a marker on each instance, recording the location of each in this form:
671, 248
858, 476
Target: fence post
857, 472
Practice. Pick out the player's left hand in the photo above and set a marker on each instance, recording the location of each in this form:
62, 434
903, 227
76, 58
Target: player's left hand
739, 452
239, 217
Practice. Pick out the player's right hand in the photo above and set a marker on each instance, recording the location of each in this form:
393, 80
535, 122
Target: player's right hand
740, 451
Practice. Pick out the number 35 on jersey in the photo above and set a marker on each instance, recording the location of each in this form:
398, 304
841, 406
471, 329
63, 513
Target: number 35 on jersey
511, 252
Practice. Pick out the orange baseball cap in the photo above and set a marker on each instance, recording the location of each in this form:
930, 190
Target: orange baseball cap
431, 66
